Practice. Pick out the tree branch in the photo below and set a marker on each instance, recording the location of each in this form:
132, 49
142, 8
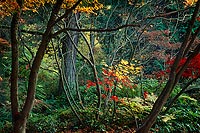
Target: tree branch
38, 59
24, 31
95, 30
166, 14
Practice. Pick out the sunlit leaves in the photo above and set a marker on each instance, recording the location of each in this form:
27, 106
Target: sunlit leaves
190, 2
125, 70
7, 7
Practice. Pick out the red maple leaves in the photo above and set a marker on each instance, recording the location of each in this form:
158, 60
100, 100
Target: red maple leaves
192, 70
90, 84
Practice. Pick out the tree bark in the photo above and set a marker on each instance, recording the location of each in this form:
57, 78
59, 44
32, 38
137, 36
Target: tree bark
20, 125
69, 52
14, 73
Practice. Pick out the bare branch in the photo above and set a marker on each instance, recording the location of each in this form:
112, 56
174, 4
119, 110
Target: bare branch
166, 14
95, 30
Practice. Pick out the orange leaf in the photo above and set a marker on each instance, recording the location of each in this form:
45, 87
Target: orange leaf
4, 42
145, 94
103, 96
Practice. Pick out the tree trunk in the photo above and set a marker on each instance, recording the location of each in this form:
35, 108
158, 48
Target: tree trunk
69, 52
14, 72
20, 125
157, 106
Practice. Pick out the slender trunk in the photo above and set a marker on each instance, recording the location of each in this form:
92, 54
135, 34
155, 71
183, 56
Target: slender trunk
14, 73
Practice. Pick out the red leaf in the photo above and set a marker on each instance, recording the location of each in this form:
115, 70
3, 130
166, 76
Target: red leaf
90, 83
198, 19
108, 82
107, 89
103, 96
114, 98
145, 94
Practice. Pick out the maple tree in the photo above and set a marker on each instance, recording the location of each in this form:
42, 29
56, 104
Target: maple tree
192, 70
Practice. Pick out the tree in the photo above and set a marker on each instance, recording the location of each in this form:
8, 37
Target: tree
68, 51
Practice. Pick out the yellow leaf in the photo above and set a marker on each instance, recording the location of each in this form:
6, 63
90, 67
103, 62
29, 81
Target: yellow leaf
124, 62
190, 2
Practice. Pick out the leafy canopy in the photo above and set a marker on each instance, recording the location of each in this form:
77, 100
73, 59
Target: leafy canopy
7, 7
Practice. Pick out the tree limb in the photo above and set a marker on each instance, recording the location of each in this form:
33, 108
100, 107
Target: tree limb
95, 30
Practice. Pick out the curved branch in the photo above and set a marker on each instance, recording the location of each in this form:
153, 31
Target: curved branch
95, 30
166, 14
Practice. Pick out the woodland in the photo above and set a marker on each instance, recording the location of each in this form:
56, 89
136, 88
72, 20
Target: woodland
113, 66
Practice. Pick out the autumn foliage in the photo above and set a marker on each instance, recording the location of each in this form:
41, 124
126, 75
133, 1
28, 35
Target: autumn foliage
7, 7
190, 2
120, 75
192, 71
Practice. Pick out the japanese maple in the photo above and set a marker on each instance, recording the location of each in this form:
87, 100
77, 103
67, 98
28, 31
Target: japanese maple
192, 71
